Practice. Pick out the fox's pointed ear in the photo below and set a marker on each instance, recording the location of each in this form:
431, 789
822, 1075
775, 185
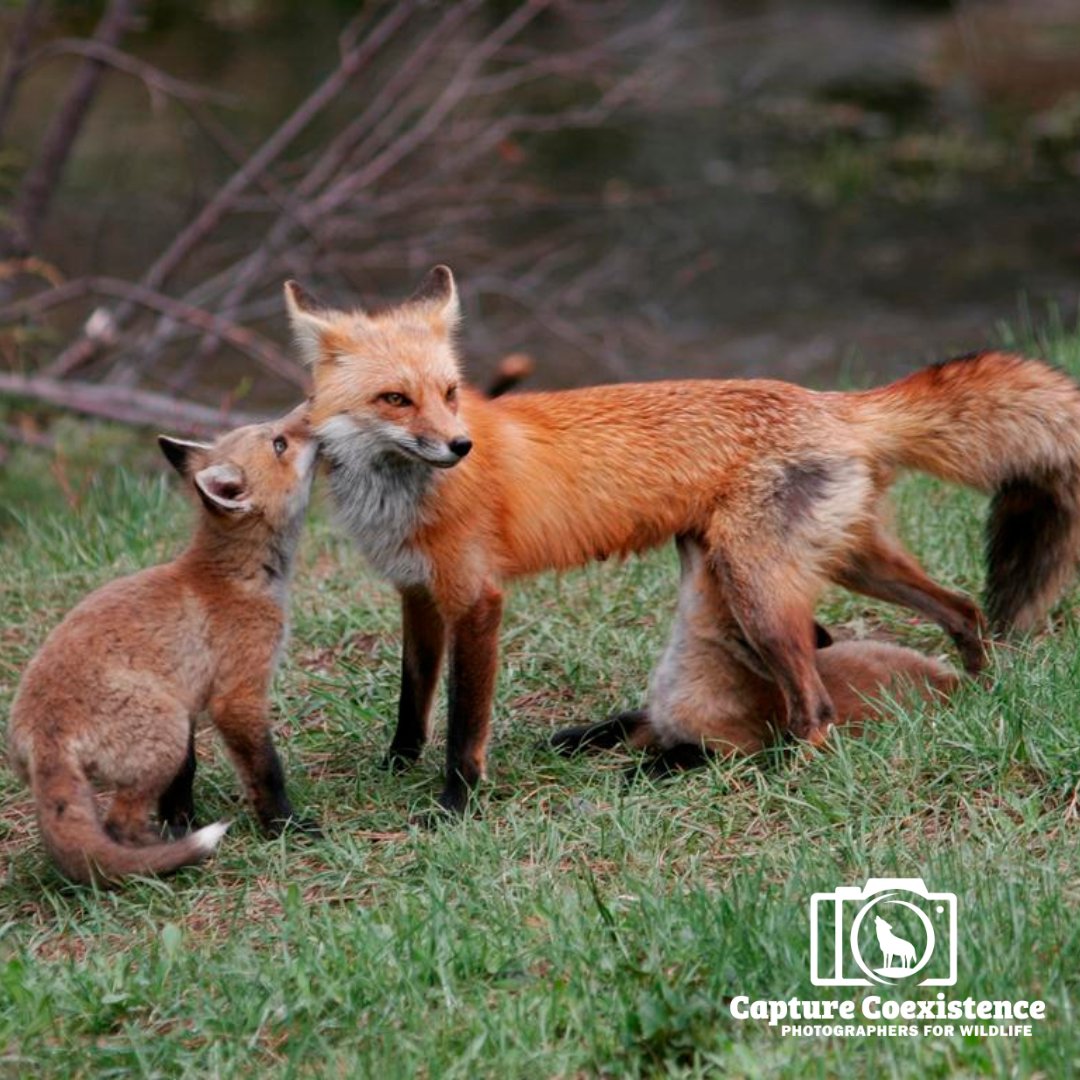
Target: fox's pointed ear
223, 488
181, 454
439, 294
310, 320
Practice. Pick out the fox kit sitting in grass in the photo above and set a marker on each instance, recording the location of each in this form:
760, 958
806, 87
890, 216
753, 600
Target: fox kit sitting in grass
711, 695
111, 698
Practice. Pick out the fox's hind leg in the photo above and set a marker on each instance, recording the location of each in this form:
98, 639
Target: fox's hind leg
176, 807
773, 603
881, 568
141, 785
128, 819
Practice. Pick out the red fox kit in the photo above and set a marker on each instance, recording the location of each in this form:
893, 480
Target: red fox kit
450, 495
709, 694
111, 697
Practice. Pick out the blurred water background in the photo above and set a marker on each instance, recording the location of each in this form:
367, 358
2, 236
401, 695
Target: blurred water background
808, 190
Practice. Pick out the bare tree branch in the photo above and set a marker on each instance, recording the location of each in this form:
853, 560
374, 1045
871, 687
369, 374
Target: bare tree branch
438, 110
13, 67
352, 61
39, 183
125, 405
337, 153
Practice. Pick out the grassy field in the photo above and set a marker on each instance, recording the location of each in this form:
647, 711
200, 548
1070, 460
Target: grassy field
582, 925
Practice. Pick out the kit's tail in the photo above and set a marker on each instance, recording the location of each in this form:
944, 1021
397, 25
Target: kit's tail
76, 839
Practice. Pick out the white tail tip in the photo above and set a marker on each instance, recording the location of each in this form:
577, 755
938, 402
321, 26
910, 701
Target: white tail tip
209, 837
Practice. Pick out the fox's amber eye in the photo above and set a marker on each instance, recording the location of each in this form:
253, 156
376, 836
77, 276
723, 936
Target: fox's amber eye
400, 400
281, 444
451, 395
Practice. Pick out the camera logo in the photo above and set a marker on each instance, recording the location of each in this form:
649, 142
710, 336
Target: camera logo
889, 931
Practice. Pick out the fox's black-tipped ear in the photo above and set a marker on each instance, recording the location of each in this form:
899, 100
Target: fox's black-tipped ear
438, 292
309, 319
302, 299
181, 453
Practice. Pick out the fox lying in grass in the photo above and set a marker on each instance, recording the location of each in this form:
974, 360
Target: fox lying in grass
111, 697
450, 495
710, 696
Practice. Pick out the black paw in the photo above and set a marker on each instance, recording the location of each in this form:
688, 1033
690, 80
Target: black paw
398, 760
451, 805
568, 741
301, 828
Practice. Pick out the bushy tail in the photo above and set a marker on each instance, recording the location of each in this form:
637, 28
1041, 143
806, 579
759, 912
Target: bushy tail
512, 370
77, 841
1009, 426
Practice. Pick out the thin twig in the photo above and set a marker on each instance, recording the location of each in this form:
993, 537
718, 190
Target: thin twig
242, 339
156, 81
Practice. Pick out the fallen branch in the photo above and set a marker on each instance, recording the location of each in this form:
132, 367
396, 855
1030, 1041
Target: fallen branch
140, 407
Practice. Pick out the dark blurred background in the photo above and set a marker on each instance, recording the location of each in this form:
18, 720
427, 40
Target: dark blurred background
625, 190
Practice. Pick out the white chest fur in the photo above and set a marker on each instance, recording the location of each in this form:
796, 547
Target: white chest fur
379, 496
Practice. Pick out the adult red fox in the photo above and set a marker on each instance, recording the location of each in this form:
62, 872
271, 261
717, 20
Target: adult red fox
709, 696
112, 696
449, 495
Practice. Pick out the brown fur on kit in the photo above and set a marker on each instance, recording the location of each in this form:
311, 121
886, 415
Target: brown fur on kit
451, 495
710, 694
111, 698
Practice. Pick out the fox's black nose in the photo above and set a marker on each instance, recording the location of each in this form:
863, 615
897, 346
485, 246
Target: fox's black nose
460, 446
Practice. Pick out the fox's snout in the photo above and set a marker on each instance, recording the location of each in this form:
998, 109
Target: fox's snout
460, 445
437, 450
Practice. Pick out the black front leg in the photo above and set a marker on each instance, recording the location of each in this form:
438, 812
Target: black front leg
423, 647
474, 662
247, 737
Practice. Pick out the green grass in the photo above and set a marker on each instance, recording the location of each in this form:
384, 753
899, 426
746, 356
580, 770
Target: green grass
580, 926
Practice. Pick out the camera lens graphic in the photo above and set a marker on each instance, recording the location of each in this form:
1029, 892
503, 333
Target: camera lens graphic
891, 975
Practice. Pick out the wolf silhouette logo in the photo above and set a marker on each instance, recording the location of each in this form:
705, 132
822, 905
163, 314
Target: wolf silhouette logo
893, 948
